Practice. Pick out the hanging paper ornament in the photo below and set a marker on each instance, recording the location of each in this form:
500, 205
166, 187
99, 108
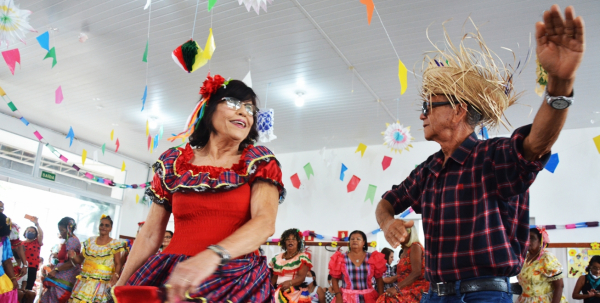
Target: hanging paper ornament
264, 123
189, 56
397, 137
256, 4
14, 23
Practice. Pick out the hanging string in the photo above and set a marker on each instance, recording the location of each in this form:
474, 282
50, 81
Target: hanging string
211, 17
148, 39
195, 17
267, 95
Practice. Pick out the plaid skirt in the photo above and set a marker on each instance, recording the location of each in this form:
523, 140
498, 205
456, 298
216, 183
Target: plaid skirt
241, 280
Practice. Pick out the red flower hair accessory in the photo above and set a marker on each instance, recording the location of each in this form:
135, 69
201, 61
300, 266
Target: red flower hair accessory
210, 85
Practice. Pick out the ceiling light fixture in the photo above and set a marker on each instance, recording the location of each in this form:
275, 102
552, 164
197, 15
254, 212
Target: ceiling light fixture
153, 122
299, 98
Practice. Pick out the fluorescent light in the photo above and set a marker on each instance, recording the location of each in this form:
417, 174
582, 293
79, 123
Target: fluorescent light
299, 99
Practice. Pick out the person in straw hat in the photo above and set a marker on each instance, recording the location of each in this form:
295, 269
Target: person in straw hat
473, 194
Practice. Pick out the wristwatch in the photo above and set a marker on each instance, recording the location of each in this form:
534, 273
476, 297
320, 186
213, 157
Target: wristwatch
559, 102
224, 254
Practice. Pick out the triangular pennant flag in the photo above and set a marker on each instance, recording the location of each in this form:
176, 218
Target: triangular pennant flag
70, 135
552, 163
386, 162
597, 143
11, 57
144, 97
137, 198
248, 80
147, 128
118, 144
103, 148
353, 183
51, 54
160, 133
211, 4
309, 171
371, 193
58, 95
156, 141
370, 7
149, 142
362, 148
484, 133
145, 57
44, 40
123, 167
83, 157
210, 47
344, 169
402, 76
112, 134
295, 180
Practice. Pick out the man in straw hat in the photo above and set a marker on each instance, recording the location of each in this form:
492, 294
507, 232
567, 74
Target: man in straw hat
473, 194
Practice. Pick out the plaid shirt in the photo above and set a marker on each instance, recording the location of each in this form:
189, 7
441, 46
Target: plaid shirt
475, 209
389, 272
358, 274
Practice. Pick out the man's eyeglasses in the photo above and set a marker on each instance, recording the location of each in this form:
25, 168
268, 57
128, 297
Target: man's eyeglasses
236, 104
428, 105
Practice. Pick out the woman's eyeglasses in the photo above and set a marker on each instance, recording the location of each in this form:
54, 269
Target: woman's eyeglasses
236, 104
168, 237
428, 105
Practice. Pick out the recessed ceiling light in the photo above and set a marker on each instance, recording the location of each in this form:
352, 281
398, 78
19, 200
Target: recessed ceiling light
299, 99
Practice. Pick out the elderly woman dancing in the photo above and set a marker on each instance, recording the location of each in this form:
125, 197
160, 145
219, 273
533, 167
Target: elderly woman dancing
224, 193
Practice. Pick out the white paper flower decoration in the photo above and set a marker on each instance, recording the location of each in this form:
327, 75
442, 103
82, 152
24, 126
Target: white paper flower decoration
256, 4
14, 22
397, 137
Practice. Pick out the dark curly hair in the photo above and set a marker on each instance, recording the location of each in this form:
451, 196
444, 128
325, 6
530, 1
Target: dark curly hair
4, 226
362, 234
296, 233
236, 89
65, 222
109, 219
594, 259
25, 232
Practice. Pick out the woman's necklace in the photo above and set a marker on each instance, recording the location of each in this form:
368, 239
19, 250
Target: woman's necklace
357, 260
289, 257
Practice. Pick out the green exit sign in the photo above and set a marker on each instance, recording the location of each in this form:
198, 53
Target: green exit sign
48, 176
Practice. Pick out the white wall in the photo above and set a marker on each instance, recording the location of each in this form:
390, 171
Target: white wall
137, 172
322, 204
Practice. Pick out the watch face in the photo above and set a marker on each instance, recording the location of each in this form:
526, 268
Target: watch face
560, 103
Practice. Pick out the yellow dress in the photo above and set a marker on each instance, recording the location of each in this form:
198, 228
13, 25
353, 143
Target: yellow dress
93, 283
536, 279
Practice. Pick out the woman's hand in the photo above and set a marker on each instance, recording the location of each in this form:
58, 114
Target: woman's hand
188, 274
286, 285
52, 274
71, 254
15, 283
34, 220
114, 279
391, 291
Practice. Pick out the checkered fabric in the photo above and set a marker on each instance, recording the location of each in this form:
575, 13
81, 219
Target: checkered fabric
389, 272
475, 207
358, 274
241, 280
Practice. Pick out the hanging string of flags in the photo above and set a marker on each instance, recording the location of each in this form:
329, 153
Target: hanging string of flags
40, 138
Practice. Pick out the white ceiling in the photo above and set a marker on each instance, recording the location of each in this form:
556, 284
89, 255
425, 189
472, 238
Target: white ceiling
286, 49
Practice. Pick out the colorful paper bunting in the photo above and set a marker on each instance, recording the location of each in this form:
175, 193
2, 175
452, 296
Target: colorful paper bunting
71, 136
156, 141
12, 106
151, 144
145, 57
149, 141
137, 198
44, 41
386, 162
210, 46
144, 97
103, 148
353, 183
58, 95
193, 58
344, 169
295, 180
83, 157
211, 4
160, 133
484, 133
552, 163
123, 166
24, 121
12, 57
370, 7
597, 143
397, 137
118, 144
256, 4
309, 171
402, 76
38, 135
362, 148
147, 128
407, 212
371, 193
51, 54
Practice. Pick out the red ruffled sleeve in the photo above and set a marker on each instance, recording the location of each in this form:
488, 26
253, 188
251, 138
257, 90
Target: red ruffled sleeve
268, 170
377, 263
159, 194
336, 265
